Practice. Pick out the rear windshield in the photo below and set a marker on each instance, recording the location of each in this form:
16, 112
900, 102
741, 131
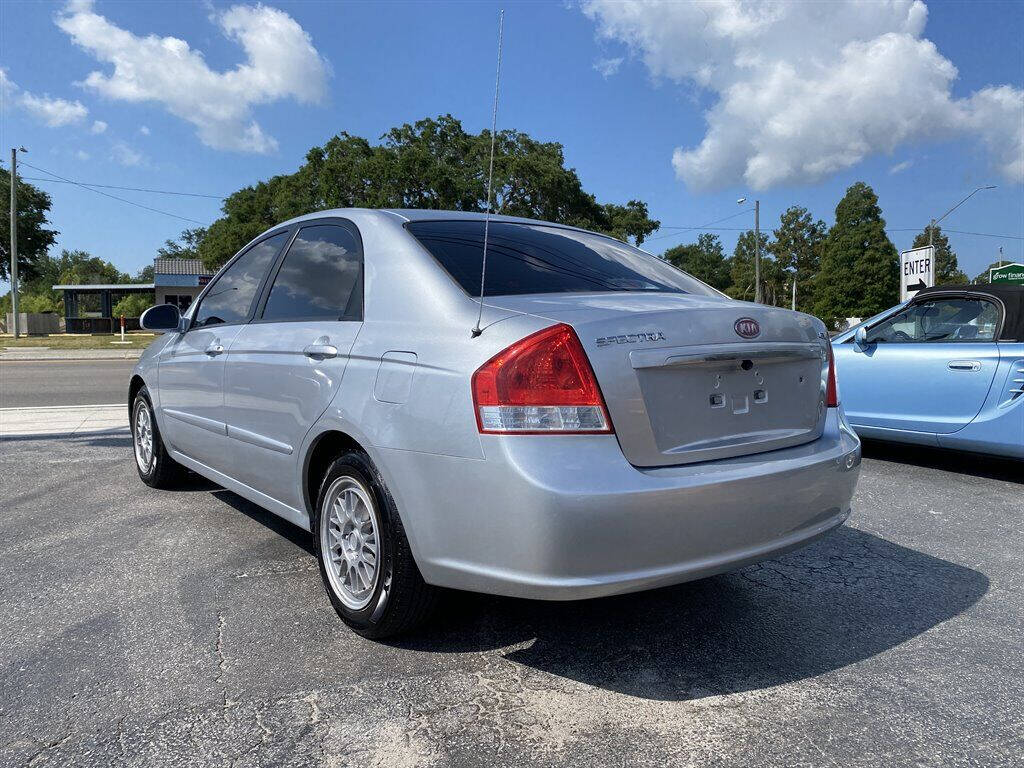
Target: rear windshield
534, 258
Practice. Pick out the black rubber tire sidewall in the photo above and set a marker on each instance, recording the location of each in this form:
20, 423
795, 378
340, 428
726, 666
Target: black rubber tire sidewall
401, 599
164, 472
355, 464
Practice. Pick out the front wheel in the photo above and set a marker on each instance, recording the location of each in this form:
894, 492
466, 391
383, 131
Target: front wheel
365, 560
156, 468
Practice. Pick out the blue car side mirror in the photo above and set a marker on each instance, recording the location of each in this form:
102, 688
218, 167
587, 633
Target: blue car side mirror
860, 337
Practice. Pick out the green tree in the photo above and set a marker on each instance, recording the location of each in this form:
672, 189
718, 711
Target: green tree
704, 259
133, 305
742, 269
82, 268
34, 236
859, 264
433, 163
983, 276
797, 251
186, 246
146, 274
947, 270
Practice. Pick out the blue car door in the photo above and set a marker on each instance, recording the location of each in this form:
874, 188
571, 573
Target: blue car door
927, 368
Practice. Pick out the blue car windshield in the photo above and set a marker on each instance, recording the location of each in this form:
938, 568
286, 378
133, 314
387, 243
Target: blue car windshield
536, 258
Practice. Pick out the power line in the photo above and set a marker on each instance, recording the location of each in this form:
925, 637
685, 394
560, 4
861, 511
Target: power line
706, 226
127, 189
115, 197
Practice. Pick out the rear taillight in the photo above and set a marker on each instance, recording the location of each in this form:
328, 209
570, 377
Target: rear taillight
831, 389
541, 384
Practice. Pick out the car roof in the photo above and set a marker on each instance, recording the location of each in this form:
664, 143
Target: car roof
1010, 296
428, 214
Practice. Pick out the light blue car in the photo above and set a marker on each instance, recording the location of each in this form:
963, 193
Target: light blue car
945, 369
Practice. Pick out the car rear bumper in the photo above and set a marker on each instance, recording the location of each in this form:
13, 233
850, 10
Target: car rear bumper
567, 517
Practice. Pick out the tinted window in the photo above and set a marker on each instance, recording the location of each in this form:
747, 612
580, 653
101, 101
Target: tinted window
230, 299
532, 258
942, 320
319, 277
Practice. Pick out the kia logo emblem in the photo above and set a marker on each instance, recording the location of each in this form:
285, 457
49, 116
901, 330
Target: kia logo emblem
747, 327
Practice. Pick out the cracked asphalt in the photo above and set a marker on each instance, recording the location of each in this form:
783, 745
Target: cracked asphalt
151, 628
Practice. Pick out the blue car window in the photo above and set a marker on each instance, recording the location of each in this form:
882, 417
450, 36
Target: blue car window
940, 321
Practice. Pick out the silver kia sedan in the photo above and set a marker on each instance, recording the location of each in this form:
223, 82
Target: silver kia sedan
599, 423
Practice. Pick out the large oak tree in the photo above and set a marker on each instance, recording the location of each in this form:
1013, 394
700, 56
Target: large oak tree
433, 163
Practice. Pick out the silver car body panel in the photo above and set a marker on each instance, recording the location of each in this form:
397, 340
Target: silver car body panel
545, 516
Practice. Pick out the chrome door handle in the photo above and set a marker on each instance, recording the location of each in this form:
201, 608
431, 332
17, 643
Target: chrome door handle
320, 351
964, 365
214, 349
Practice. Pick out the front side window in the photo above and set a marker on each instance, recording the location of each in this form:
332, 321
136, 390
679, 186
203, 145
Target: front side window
230, 299
319, 278
940, 320
537, 258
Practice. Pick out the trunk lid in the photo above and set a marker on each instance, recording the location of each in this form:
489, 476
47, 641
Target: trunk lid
680, 382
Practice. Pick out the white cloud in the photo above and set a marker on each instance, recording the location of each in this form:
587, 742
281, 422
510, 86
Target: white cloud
98, 126
608, 67
281, 62
82, 155
125, 155
53, 112
806, 89
901, 167
144, 130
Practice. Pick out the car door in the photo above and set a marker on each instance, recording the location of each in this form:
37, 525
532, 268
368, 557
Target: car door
926, 368
285, 367
191, 366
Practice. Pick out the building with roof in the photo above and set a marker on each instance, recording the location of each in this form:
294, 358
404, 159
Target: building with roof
179, 281
90, 308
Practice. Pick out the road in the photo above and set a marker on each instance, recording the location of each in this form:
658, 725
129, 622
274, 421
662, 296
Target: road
191, 628
63, 382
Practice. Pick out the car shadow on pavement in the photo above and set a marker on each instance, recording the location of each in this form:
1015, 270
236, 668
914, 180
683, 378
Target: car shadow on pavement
278, 525
839, 601
976, 464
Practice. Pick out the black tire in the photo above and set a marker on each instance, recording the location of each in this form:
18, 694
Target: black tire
161, 471
400, 599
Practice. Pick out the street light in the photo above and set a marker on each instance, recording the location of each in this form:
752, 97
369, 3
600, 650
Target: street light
14, 237
757, 247
931, 228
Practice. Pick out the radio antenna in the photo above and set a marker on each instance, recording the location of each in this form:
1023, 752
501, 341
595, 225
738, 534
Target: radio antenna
477, 330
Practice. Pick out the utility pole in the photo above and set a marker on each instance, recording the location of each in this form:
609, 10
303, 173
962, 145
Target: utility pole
757, 251
757, 247
14, 239
794, 290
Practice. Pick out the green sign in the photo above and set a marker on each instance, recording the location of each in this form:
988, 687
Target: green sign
1008, 273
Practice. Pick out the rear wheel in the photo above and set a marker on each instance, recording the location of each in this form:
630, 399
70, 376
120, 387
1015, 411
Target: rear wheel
365, 560
156, 468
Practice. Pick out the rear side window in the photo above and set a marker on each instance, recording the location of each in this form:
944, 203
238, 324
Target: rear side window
535, 258
231, 298
319, 278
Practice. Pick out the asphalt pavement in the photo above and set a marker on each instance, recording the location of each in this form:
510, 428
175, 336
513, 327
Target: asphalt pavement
63, 382
190, 628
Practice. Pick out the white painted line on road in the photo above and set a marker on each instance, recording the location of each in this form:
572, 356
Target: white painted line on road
63, 421
62, 407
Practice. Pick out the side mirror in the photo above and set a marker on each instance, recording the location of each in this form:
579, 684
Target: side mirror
162, 317
860, 337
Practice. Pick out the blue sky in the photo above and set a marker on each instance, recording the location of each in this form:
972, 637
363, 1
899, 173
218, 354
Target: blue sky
920, 135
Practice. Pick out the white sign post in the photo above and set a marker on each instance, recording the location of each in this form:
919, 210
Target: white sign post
917, 271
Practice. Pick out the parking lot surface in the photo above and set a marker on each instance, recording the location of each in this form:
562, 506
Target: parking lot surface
191, 628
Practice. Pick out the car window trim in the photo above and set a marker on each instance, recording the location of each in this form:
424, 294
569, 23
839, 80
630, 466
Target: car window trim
198, 301
939, 295
347, 224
